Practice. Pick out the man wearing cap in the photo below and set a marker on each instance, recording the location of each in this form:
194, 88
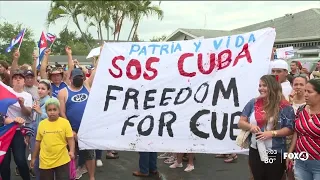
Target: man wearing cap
280, 68
56, 74
20, 109
30, 84
57, 83
73, 100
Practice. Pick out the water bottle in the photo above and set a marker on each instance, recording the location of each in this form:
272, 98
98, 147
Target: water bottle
262, 150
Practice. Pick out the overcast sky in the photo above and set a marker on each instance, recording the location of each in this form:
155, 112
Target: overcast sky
193, 15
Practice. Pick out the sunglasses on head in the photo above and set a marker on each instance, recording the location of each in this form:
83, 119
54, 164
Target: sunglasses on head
300, 75
45, 81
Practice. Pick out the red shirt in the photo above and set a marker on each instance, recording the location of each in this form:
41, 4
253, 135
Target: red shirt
308, 130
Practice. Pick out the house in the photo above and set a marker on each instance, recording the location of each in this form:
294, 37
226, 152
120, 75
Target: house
300, 30
63, 59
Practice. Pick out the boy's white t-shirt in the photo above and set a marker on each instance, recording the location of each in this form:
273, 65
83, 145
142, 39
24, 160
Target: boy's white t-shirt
15, 109
286, 89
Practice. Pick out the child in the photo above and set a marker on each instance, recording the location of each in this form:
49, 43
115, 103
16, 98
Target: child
53, 136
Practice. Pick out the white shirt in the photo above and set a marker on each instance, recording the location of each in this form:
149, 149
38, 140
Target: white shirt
15, 109
286, 89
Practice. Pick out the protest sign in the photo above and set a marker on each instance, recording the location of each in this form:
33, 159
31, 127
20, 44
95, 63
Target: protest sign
183, 96
285, 53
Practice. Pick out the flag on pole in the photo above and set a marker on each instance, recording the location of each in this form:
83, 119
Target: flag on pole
16, 40
50, 37
42, 45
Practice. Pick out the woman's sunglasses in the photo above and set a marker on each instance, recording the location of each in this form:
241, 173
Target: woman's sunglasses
300, 75
45, 81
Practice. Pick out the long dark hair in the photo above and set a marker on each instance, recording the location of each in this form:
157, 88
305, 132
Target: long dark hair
316, 84
271, 104
47, 84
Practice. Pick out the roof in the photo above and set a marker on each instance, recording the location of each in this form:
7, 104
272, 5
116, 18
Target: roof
303, 25
206, 33
63, 59
98, 41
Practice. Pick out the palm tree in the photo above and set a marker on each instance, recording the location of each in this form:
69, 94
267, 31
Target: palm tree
108, 6
94, 14
67, 10
120, 11
144, 8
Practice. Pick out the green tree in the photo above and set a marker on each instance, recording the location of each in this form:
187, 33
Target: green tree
158, 39
144, 8
9, 31
65, 37
71, 38
67, 10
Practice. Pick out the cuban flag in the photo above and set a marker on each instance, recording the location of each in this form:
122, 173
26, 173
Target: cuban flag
290, 52
16, 40
50, 37
42, 45
6, 135
7, 98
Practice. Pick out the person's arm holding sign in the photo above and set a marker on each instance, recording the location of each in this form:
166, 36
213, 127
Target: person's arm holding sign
89, 81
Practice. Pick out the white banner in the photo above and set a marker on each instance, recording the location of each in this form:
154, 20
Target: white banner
183, 96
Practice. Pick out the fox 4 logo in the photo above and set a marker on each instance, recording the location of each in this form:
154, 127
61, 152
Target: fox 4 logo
301, 156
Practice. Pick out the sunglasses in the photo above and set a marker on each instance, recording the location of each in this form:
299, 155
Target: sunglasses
300, 75
45, 81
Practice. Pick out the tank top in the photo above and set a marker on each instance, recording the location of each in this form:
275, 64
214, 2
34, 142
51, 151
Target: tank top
56, 89
75, 105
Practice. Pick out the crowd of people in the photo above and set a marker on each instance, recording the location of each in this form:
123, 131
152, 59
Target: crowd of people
285, 116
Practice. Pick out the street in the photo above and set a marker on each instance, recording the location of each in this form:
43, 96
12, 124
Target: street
207, 167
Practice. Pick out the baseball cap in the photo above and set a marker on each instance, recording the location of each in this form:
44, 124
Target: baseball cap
18, 72
29, 73
76, 72
280, 64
